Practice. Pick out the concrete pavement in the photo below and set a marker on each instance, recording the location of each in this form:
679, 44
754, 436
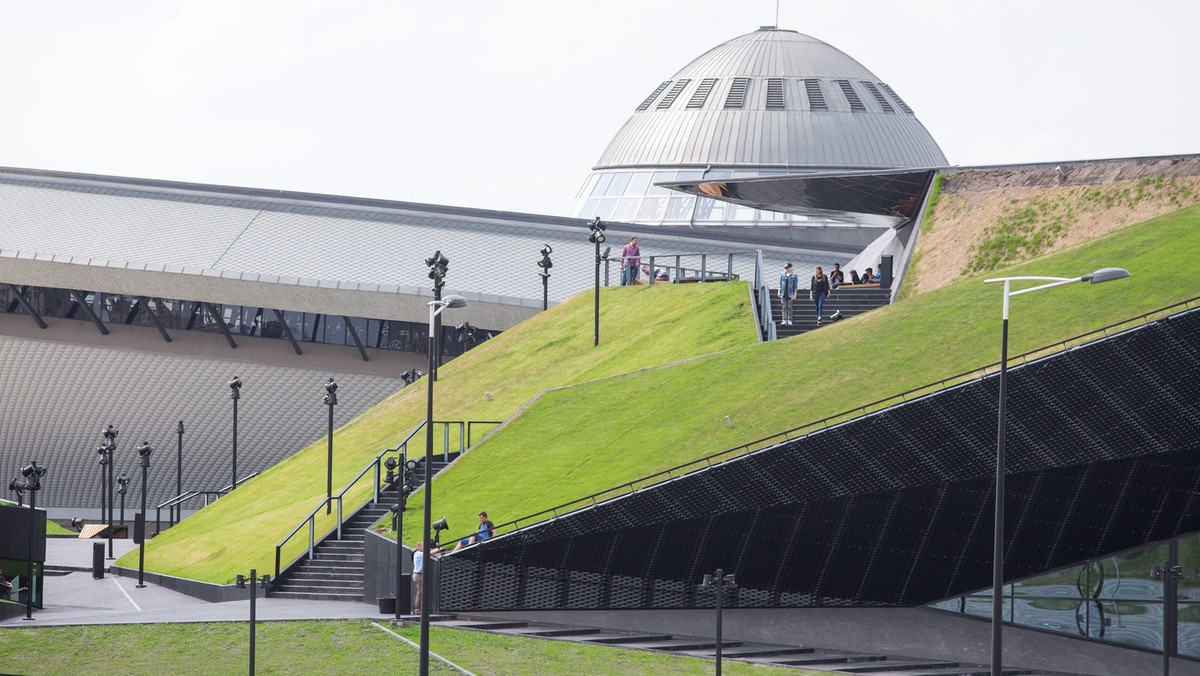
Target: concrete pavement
77, 598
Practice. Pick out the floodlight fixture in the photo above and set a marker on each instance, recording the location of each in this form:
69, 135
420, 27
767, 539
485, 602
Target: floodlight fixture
836, 316
597, 227
77, 523
235, 387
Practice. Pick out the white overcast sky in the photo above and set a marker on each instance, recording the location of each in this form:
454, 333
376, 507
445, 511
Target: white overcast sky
506, 105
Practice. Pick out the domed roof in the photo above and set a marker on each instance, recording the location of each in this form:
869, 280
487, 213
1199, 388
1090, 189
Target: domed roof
773, 100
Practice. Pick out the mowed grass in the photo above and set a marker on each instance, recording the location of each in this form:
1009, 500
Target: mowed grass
641, 327
590, 437
322, 647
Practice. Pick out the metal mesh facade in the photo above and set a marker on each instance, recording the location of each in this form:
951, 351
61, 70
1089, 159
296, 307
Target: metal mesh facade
893, 508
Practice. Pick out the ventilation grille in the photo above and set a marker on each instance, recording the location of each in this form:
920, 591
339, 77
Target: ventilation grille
851, 95
883, 103
672, 95
737, 92
816, 100
701, 93
774, 93
650, 99
894, 95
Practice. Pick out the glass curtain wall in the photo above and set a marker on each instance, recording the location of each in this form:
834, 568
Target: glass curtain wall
1115, 599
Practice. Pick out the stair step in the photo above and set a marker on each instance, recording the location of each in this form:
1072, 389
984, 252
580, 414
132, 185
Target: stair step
826, 661
332, 589
744, 652
484, 625
292, 583
546, 632
615, 639
317, 597
888, 666
677, 644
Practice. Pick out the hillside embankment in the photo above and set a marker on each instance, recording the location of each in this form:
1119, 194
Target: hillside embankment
984, 219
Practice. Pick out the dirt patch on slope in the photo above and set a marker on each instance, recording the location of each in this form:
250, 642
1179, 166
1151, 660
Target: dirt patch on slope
989, 218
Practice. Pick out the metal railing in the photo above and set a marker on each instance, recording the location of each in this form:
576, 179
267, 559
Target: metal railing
374, 468
209, 495
837, 418
682, 268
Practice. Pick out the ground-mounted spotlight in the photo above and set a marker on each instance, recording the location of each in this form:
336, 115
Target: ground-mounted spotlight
411, 376
468, 334
836, 316
391, 464
77, 523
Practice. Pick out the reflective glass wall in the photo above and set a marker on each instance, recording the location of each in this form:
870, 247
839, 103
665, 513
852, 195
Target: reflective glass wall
1117, 599
306, 327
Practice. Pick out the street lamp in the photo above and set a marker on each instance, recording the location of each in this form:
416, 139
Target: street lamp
545, 264
178, 508
401, 473
240, 581
1102, 275
597, 237
143, 452
720, 581
330, 400
31, 480
110, 453
435, 309
122, 485
235, 393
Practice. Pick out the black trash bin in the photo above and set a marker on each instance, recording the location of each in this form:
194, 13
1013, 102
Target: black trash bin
98, 560
387, 605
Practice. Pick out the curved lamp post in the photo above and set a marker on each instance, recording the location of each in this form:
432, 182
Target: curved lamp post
1102, 275
435, 308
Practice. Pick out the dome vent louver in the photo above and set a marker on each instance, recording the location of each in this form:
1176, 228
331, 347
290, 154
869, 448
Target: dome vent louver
851, 95
774, 93
654, 95
816, 100
672, 94
701, 94
883, 103
737, 92
894, 95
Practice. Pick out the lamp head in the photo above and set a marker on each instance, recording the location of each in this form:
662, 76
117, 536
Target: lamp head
708, 581
440, 524
331, 386
18, 485
391, 464
546, 250
1106, 275
179, 428
240, 581
77, 523
607, 250
110, 433
145, 449
235, 386
454, 301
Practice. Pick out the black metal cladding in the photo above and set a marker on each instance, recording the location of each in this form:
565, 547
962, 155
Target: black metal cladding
892, 509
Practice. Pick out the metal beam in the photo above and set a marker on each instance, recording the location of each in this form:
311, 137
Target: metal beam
28, 308
287, 330
79, 296
133, 311
154, 319
357, 340
212, 312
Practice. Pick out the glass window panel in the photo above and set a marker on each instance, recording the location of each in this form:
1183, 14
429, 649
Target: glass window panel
718, 175
652, 209
627, 209
680, 208
740, 213
708, 209
617, 187
588, 185
601, 186
605, 208
661, 177
638, 183
1189, 627
690, 176
589, 208
360, 326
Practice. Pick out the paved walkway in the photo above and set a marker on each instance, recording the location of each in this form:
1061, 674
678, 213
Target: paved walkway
77, 598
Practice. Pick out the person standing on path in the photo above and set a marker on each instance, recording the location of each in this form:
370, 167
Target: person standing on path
418, 577
630, 262
788, 286
818, 289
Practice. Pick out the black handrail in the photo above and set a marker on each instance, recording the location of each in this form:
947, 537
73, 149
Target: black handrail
788, 435
188, 495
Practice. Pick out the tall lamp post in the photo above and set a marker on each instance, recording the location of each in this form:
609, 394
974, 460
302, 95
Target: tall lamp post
110, 453
177, 510
265, 581
143, 452
435, 309
545, 264
331, 389
597, 237
1102, 275
31, 480
235, 393
401, 472
720, 581
102, 451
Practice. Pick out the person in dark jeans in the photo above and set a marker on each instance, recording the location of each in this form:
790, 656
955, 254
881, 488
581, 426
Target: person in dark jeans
818, 289
418, 577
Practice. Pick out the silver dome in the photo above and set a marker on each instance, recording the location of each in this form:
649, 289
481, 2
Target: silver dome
767, 103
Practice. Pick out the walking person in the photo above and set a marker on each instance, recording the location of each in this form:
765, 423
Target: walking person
818, 289
788, 286
630, 262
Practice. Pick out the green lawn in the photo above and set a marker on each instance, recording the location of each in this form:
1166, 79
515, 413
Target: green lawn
603, 431
642, 327
325, 647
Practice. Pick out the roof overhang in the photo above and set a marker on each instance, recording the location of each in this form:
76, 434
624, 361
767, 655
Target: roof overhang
885, 198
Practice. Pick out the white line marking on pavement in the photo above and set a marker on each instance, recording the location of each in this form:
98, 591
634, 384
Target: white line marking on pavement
131, 601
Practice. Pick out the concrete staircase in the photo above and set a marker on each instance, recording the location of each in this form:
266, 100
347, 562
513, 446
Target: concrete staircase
336, 570
849, 300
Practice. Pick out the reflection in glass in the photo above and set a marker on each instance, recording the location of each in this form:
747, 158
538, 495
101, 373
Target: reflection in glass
627, 209
617, 187
652, 208
638, 183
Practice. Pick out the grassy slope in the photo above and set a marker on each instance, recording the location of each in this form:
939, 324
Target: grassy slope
329, 647
598, 435
551, 350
